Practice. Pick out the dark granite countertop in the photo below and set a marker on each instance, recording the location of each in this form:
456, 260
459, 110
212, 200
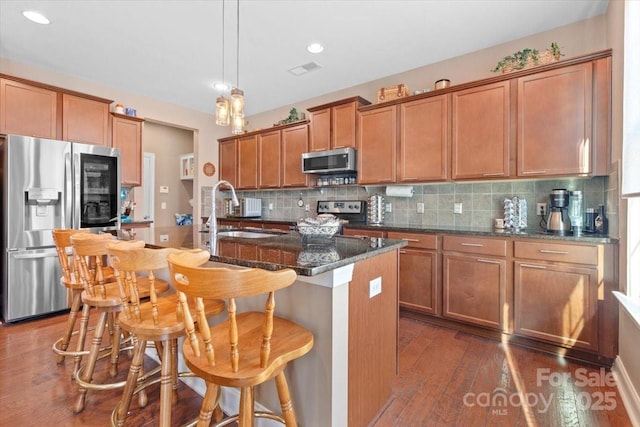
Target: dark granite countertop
308, 257
474, 231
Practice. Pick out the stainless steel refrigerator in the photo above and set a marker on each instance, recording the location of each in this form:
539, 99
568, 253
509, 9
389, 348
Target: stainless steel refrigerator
49, 184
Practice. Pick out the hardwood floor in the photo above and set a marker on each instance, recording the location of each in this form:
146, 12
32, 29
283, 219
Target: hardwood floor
451, 378
447, 378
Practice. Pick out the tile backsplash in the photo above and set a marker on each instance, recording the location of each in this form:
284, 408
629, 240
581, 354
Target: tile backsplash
481, 201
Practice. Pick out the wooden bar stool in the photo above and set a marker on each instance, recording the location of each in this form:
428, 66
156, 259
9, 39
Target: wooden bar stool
105, 298
71, 280
247, 349
156, 321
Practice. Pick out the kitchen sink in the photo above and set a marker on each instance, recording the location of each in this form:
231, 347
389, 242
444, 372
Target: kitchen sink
245, 234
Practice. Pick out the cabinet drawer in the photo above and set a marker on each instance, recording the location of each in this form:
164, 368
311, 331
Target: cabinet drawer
543, 251
416, 240
475, 245
357, 232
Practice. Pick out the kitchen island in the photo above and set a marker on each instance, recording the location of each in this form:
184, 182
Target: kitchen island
346, 294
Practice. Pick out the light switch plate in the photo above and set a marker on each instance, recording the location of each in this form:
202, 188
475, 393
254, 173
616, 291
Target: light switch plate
163, 205
457, 208
375, 287
420, 207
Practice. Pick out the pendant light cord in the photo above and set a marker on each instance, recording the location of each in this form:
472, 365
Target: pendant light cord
223, 81
238, 44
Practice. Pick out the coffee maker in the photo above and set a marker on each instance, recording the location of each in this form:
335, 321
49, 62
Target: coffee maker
558, 221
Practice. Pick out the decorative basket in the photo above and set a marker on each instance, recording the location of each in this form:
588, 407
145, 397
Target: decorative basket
528, 58
318, 230
394, 92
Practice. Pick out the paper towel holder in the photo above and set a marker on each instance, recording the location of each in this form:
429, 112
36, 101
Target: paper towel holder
399, 191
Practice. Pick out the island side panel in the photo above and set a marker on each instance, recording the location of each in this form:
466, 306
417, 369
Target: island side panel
373, 337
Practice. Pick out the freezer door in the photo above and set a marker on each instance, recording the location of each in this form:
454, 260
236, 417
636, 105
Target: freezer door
32, 284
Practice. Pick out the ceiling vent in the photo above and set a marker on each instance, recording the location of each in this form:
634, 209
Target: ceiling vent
303, 69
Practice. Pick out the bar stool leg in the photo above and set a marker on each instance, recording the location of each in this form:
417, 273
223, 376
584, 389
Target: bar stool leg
245, 415
71, 323
86, 372
115, 344
132, 381
210, 399
166, 385
174, 371
82, 335
285, 400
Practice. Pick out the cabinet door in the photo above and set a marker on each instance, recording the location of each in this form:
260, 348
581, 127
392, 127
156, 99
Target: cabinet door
127, 136
473, 289
355, 232
424, 133
377, 146
247, 162
320, 130
557, 303
228, 159
295, 141
85, 120
554, 122
270, 155
419, 281
28, 110
480, 132
343, 125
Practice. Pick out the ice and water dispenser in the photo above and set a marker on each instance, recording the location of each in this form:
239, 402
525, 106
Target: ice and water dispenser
43, 209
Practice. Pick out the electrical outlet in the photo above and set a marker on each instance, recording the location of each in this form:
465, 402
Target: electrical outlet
307, 207
420, 207
541, 209
163, 205
164, 189
375, 287
270, 206
457, 208
388, 207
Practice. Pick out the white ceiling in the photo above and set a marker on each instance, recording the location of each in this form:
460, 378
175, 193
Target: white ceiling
172, 50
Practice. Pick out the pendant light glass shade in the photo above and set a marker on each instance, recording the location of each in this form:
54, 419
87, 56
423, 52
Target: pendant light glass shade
237, 125
222, 111
237, 102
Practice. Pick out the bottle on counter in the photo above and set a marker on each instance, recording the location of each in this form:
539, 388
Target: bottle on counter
601, 222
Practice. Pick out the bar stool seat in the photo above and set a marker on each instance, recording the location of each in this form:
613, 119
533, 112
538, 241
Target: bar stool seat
248, 348
157, 320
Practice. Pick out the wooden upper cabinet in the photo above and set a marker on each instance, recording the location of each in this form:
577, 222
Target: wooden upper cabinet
85, 120
270, 156
28, 110
377, 145
320, 127
247, 163
480, 137
127, 136
424, 138
554, 122
335, 125
295, 141
228, 161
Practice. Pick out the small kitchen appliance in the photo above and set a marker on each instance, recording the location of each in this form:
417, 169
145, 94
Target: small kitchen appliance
576, 215
558, 221
247, 208
350, 211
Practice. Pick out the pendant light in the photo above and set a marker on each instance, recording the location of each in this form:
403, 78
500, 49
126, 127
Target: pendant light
222, 103
237, 95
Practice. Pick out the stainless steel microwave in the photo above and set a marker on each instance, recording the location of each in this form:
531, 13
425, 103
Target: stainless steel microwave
330, 161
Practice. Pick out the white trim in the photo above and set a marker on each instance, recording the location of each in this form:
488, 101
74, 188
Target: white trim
628, 393
631, 305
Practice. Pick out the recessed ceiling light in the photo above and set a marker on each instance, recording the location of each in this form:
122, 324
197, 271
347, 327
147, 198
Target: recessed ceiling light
221, 86
315, 48
36, 17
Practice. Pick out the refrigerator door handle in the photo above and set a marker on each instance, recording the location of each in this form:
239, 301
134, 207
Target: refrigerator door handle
36, 255
68, 219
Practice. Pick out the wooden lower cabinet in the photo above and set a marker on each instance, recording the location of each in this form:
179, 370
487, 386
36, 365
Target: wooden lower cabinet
473, 289
356, 232
419, 273
556, 303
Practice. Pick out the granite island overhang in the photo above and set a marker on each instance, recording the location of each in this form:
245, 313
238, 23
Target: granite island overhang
346, 294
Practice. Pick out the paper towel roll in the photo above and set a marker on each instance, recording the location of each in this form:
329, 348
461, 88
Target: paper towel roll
399, 190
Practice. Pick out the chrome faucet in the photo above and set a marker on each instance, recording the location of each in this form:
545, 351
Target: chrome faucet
212, 221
